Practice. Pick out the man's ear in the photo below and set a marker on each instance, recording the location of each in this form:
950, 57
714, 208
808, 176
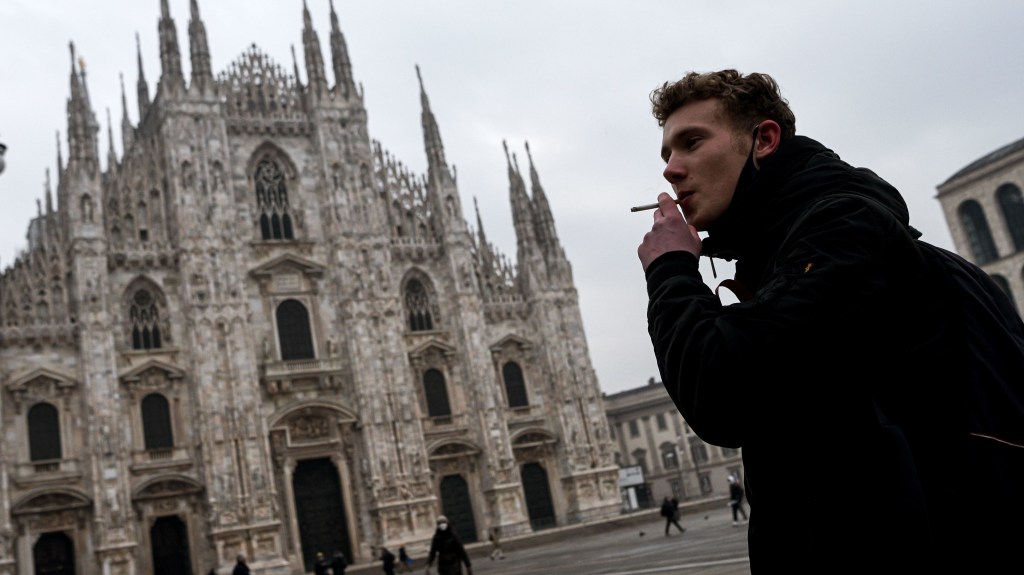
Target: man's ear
769, 136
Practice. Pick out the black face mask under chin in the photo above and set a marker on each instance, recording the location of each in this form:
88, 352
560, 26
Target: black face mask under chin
711, 247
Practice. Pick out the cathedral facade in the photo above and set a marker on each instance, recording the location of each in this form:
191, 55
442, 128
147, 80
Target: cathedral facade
255, 332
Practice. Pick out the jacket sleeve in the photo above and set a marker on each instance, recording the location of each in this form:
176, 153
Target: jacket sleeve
725, 365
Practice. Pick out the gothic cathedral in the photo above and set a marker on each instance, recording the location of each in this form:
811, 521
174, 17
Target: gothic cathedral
257, 333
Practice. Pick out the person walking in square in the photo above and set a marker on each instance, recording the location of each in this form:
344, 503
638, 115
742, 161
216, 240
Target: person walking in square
494, 536
404, 561
670, 513
736, 500
387, 561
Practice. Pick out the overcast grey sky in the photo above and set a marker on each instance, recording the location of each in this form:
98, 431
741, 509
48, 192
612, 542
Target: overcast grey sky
914, 90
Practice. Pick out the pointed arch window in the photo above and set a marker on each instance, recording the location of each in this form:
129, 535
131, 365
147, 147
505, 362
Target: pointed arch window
979, 236
293, 331
272, 202
144, 315
44, 432
436, 392
515, 387
417, 306
156, 422
1012, 204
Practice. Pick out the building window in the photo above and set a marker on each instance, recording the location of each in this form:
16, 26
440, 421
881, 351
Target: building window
611, 431
43, 432
293, 331
640, 457
698, 451
730, 452
515, 387
145, 320
634, 428
156, 422
669, 460
662, 423
1012, 205
272, 202
979, 236
417, 306
437, 394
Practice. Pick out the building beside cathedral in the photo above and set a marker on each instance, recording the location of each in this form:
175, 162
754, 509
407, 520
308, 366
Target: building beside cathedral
256, 332
984, 210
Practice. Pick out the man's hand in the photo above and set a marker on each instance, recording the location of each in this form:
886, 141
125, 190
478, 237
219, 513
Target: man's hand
670, 233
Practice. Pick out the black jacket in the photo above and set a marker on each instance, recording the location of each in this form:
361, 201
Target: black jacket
449, 552
844, 358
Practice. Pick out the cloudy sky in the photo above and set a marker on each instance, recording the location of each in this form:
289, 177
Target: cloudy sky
912, 89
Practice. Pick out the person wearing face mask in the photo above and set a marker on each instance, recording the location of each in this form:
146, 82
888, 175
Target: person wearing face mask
449, 552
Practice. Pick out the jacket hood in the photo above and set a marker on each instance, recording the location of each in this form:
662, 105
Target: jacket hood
768, 200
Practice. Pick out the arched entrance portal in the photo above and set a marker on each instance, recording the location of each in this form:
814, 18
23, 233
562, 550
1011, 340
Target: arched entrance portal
168, 538
319, 510
457, 506
538, 496
54, 554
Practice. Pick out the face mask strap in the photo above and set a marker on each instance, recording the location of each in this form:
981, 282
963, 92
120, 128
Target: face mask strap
753, 146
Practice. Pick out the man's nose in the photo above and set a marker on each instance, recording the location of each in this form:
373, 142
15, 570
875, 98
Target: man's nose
674, 171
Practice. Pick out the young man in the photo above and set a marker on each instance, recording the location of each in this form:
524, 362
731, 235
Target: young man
849, 356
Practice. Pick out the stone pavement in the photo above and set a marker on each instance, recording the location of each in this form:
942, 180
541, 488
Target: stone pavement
628, 544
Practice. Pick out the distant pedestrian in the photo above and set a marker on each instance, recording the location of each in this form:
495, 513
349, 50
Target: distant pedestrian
736, 500
446, 548
671, 515
321, 565
339, 563
404, 561
388, 561
240, 566
494, 536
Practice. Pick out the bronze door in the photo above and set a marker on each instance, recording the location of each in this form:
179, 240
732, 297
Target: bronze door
168, 539
54, 554
538, 496
319, 510
457, 506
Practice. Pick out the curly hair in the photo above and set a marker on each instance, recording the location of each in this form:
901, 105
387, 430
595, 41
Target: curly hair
746, 100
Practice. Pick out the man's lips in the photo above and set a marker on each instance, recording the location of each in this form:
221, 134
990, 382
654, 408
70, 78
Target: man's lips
683, 197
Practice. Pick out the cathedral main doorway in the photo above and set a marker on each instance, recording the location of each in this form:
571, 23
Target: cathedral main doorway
54, 554
538, 496
319, 510
456, 505
168, 540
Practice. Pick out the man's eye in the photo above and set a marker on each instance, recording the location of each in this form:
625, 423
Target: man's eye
692, 142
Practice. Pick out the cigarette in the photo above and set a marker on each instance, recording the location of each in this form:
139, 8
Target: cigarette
648, 206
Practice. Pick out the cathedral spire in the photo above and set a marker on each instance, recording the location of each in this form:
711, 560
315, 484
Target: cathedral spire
127, 130
315, 76
522, 211
343, 82
141, 87
171, 77
437, 167
60, 158
82, 128
111, 153
545, 222
199, 50
49, 194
